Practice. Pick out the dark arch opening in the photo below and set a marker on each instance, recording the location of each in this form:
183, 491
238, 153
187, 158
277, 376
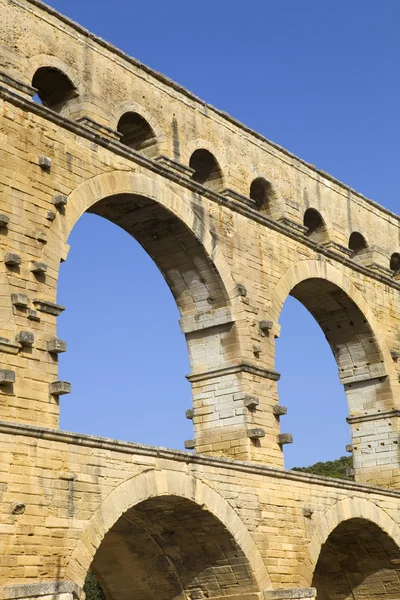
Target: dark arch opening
168, 546
127, 333
206, 169
137, 134
358, 560
261, 192
316, 227
54, 89
359, 363
357, 242
395, 263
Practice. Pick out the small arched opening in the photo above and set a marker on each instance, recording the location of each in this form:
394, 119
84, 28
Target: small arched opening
395, 264
54, 88
206, 169
261, 192
169, 547
357, 243
358, 560
136, 133
316, 227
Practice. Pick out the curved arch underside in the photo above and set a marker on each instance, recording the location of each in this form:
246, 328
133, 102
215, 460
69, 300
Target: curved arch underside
190, 274
170, 547
352, 341
359, 561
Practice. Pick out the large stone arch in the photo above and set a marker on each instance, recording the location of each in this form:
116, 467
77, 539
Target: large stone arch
321, 269
172, 197
352, 548
158, 484
344, 510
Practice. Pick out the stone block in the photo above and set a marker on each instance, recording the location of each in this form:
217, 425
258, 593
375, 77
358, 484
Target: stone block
284, 438
20, 300
6, 376
291, 594
25, 338
48, 307
60, 200
190, 413
41, 236
189, 444
279, 410
33, 315
4, 220
266, 326
251, 402
12, 260
59, 388
241, 289
44, 163
56, 346
255, 433
38, 268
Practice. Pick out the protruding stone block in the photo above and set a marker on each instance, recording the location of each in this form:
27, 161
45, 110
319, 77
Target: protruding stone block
20, 300
48, 307
33, 315
349, 448
6, 376
284, 438
190, 413
12, 260
279, 411
25, 338
18, 508
189, 444
38, 268
395, 354
256, 350
60, 200
308, 512
59, 388
4, 220
45, 163
56, 346
51, 215
256, 433
251, 402
241, 290
291, 594
266, 326
41, 236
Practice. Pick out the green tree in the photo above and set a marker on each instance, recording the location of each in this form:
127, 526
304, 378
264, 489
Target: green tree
92, 588
342, 468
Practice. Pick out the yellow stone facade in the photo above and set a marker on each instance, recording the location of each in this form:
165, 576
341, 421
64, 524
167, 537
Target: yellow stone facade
235, 224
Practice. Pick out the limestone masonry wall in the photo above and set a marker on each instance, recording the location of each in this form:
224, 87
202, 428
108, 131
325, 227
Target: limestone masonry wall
236, 225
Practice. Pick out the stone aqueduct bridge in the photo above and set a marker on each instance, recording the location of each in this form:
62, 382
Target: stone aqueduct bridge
235, 225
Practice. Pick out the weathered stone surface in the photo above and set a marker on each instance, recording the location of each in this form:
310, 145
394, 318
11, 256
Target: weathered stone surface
255, 433
25, 338
48, 307
232, 247
38, 268
279, 410
284, 438
44, 163
56, 346
59, 388
12, 260
60, 200
20, 300
6, 376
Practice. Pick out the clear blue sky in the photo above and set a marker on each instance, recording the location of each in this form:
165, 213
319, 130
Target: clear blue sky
319, 78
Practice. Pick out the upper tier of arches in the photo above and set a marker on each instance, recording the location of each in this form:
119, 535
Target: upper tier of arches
60, 92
